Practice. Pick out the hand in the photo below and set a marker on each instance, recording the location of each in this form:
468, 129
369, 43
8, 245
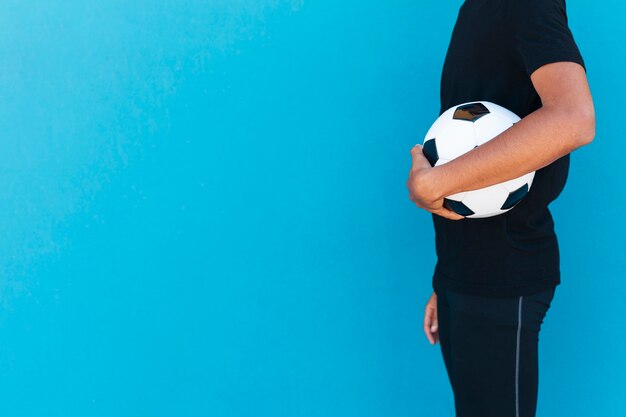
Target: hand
431, 324
420, 186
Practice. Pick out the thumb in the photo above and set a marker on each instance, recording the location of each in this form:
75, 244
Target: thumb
416, 152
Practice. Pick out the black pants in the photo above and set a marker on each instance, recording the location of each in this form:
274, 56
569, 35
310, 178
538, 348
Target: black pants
489, 346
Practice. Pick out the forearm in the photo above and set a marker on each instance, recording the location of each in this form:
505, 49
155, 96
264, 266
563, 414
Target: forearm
530, 144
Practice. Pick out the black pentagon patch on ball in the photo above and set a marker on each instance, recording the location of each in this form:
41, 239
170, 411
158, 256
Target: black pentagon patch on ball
515, 197
470, 112
457, 207
430, 151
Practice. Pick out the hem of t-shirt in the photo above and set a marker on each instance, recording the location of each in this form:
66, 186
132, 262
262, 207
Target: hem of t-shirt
441, 282
562, 55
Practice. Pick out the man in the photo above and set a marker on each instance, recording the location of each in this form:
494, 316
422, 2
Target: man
495, 277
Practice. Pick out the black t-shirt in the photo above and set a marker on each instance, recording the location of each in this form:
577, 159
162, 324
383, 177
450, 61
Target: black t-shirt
494, 47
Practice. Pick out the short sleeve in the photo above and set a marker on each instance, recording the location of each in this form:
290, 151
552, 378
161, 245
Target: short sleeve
541, 34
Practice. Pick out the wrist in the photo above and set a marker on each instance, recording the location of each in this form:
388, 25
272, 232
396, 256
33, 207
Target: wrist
433, 184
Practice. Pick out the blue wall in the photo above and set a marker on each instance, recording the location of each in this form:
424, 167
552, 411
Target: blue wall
203, 212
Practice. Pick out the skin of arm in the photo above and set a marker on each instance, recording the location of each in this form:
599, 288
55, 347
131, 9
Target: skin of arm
565, 122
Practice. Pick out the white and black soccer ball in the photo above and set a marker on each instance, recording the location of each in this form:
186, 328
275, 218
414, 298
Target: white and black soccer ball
462, 128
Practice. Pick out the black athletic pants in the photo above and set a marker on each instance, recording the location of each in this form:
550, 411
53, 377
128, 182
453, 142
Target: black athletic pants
489, 346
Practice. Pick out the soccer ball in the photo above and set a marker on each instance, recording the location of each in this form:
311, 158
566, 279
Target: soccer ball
460, 129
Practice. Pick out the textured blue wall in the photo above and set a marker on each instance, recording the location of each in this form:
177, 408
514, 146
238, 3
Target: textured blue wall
203, 212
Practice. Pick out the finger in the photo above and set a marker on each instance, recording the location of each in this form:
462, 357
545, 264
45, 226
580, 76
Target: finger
428, 313
448, 214
434, 325
416, 201
416, 147
434, 322
427, 324
429, 335
417, 155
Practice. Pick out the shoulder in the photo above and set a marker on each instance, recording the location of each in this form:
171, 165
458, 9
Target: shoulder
536, 4
527, 13
536, 7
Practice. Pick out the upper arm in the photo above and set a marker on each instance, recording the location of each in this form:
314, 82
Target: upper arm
546, 51
563, 86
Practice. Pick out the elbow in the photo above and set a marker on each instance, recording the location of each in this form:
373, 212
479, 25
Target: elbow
588, 131
584, 125
577, 123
